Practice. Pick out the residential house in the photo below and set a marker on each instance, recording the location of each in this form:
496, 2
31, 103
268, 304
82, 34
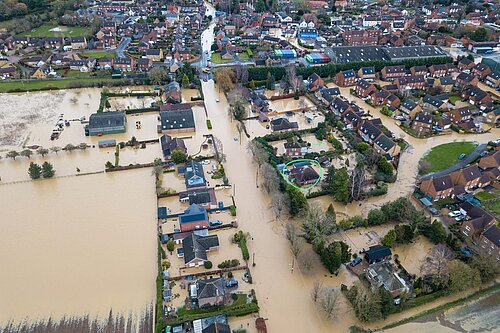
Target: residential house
327, 95
493, 79
469, 177
144, 64
367, 73
446, 83
476, 96
422, 123
194, 175
381, 274
176, 118
295, 148
490, 241
410, 82
78, 43
41, 72
462, 114
477, 220
384, 97
433, 103
352, 120
438, 70
377, 253
7, 71
410, 108
465, 65
392, 72
345, 78
173, 92
363, 88
463, 79
419, 70
385, 146
170, 144
154, 54
195, 247
438, 188
491, 115
217, 328
314, 82
211, 292
481, 71
305, 175
490, 161
105, 63
103, 123
369, 132
124, 64
340, 106
194, 217
283, 125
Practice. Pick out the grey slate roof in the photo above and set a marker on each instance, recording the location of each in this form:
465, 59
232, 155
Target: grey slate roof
209, 288
104, 120
196, 247
177, 119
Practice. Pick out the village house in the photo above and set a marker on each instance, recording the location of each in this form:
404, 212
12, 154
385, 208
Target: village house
381, 274
352, 120
422, 123
378, 253
314, 82
211, 292
194, 217
295, 148
384, 97
345, 78
369, 132
305, 175
389, 73
481, 71
462, 114
124, 64
195, 247
493, 79
194, 175
170, 144
446, 83
176, 118
367, 73
144, 64
154, 54
340, 106
363, 88
469, 177
463, 79
104, 63
477, 220
419, 70
103, 123
173, 92
490, 241
204, 198
410, 108
385, 146
410, 82
476, 96
433, 103
327, 95
465, 65
438, 70
438, 188
283, 125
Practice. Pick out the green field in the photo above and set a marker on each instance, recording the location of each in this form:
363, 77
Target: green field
493, 206
484, 195
454, 98
99, 54
13, 86
44, 31
216, 59
444, 156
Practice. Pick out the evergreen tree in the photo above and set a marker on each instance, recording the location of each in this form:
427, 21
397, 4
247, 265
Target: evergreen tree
47, 170
34, 171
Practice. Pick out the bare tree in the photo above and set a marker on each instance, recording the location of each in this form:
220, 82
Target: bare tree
237, 105
241, 73
356, 183
269, 178
259, 154
436, 264
305, 259
293, 239
317, 224
328, 302
280, 204
316, 290
293, 79
55, 149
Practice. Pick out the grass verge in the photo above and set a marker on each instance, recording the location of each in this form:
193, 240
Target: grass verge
444, 156
39, 85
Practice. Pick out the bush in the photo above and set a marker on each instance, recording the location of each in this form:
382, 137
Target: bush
170, 245
208, 264
232, 210
229, 263
209, 124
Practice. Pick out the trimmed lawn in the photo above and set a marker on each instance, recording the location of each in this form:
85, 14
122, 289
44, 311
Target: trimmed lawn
216, 59
493, 206
99, 54
45, 31
243, 56
444, 156
14, 86
454, 98
78, 74
483, 196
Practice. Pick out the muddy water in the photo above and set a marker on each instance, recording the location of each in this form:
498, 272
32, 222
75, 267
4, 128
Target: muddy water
78, 245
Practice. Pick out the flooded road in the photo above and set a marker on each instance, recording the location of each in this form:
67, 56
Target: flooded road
78, 245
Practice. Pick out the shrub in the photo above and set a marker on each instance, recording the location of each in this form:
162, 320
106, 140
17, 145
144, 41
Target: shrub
232, 210
208, 264
209, 124
170, 245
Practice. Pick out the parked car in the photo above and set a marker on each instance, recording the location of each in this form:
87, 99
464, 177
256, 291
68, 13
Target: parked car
461, 156
231, 283
459, 218
215, 222
356, 261
434, 211
205, 162
454, 213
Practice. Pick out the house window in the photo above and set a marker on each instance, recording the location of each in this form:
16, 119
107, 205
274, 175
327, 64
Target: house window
467, 228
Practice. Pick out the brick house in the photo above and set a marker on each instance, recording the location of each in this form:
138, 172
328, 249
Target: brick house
154, 54
345, 78
295, 149
194, 217
481, 70
144, 64
476, 96
438, 188
411, 82
124, 64
438, 70
211, 292
461, 114
384, 97
367, 73
446, 83
490, 241
493, 79
392, 72
385, 146
465, 64
314, 82
469, 177
195, 248
464, 79
369, 132
363, 88
422, 123
410, 108
419, 70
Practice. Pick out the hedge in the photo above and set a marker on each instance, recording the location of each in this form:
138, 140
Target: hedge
209, 124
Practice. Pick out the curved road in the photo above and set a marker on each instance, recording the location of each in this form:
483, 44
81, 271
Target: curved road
471, 157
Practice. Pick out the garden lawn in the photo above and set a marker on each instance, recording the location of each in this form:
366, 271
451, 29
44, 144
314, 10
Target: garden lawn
484, 195
444, 156
45, 31
454, 98
216, 59
99, 54
13, 86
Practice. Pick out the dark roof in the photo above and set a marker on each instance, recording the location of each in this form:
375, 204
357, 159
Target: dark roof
282, 124
435, 102
414, 52
446, 80
423, 117
177, 119
465, 77
442, 183
107, 119
208, 288
370, 130
199, 198
363, 84
195, 246
378, 252
169, 144
493, 235
217, 328
409, 104
194, 175
368, 70
384, 142
471, 172
340, 105
304, 174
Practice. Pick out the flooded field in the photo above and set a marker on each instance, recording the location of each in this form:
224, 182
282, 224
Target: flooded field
78, 245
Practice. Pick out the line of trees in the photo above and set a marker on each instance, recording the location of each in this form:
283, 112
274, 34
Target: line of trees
43, 151
36, 171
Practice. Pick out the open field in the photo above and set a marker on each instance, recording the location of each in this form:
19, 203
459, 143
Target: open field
99, 54
49, 31
216, 59
445, 155
13, 86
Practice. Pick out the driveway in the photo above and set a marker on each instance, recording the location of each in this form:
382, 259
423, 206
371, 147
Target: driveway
471, 157
120, 50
